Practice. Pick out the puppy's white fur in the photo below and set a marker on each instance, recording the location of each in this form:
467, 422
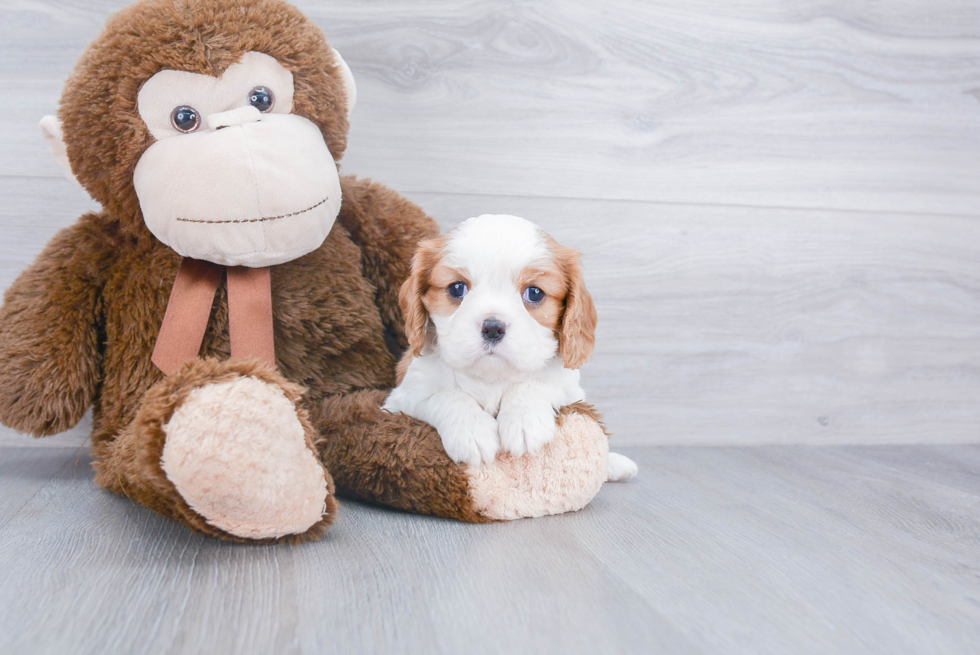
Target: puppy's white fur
485, 396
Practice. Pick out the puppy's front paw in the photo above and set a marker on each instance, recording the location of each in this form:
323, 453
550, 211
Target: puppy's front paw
473, 441
525, 427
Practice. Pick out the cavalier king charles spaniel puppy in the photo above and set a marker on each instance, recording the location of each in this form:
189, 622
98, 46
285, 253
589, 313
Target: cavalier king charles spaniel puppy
498, 321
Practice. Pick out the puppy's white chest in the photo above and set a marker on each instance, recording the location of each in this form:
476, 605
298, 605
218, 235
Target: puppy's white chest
487, 394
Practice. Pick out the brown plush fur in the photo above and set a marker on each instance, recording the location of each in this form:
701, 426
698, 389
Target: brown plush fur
99, 102
390, 459
329, 332
130, 464
78, 327
51, 369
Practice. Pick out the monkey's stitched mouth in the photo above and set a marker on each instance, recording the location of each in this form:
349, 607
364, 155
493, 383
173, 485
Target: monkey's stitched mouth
256, 220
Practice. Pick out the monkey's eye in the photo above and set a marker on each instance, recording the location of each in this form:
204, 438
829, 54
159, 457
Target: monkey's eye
185, 119
262, 99
533, 295
458, 289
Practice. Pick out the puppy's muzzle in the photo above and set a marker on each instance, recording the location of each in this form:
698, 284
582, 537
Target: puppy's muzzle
493, 330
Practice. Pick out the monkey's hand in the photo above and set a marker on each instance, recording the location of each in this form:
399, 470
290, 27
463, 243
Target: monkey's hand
49, 344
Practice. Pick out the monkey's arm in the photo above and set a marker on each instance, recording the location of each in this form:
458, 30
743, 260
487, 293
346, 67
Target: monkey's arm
388, 229
396, 460
49, 338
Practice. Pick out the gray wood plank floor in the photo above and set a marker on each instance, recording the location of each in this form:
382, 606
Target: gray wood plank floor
710, 550
778, 206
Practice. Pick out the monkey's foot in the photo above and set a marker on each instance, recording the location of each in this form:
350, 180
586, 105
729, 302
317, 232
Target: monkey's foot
564, 476
238, 454
226, 449
396, 460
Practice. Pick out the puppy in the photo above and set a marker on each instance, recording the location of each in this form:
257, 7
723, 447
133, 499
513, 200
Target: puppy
498, 320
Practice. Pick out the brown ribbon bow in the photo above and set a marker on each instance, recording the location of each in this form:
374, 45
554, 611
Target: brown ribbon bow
189, 308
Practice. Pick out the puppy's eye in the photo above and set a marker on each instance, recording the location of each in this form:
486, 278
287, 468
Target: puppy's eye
262, 99
458, 289
533, 295
185, 119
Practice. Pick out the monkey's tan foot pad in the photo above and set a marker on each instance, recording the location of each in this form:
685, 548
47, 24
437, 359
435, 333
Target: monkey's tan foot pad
239, 454
564, 476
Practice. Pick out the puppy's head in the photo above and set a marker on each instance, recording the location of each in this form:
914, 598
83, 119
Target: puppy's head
498, 297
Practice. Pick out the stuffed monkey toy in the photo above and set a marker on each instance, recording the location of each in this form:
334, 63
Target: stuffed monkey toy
231, 314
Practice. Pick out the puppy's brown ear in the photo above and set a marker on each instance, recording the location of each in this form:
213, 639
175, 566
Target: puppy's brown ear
413, 290
576, 334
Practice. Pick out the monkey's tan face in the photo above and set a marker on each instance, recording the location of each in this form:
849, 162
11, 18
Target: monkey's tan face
234, 177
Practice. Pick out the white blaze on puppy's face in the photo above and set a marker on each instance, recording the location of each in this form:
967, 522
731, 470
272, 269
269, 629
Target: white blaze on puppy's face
498, 258
234, 177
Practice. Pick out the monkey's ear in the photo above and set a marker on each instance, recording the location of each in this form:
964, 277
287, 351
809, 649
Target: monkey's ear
348, 78
51, 129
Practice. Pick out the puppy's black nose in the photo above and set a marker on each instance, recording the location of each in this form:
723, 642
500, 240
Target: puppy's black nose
493, 330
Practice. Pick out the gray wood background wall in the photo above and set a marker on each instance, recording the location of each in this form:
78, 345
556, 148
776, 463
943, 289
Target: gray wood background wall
777, 201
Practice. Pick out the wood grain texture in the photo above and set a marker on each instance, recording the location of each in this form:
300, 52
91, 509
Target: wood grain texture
727, 315
725, 325
750, 550
841, 105
25, 471
777, 203
728, 325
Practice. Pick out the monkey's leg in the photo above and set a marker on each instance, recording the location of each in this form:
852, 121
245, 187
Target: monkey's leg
396, 460
226, 449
